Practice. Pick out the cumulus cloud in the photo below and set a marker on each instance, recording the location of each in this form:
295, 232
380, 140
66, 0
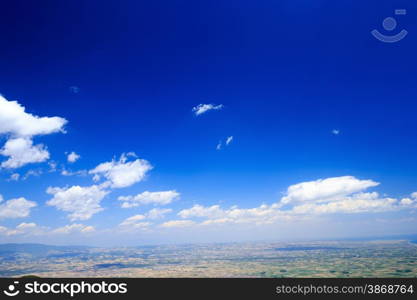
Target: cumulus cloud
145, 198
139, 221
74, 228
202, 212
15, 208
264, 214
81, 202
158, 213
21, 151
14, 120
73, 157
357, 203
21, 127
336, 131
407, 201
337, 195
132, 220
203, 108
23, 229
35, 229
329, 189
344, 194
84, 202
410, 202
122, 173
14, 177
135, 222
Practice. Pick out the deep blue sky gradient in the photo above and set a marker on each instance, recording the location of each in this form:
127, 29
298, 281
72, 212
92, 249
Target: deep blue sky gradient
287, 72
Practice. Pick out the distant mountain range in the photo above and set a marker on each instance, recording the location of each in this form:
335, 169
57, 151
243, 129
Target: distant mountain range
36, 249
42, 250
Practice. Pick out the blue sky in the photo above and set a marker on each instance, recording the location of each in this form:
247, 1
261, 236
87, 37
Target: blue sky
304, 89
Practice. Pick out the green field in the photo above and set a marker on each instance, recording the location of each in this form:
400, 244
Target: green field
312, 259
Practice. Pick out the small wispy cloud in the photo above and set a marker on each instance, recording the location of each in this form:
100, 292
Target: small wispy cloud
336, 131
73, 157
66, 172
14, 177
74, 89
52, 166
145, 198
219, 146
226, 143
203, 108
35, 173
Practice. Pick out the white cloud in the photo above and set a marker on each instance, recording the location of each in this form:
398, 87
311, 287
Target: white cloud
74, 228
52, 166
35, 173
336, 131
21, 152
96, 178
200, 211
24, 226
15, 208
406, 201
73, 157
122, 173
339, 195
132, 220
3, 230
14, 177
178, 223
138, 221
21, 127
34, 229
329, 189
145, 198
410, 202
81, 202
203, 108
336, 195
135, 222
23, 229
158, 213
65, 172
357, 203
264, 214
16, 122
227, 143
